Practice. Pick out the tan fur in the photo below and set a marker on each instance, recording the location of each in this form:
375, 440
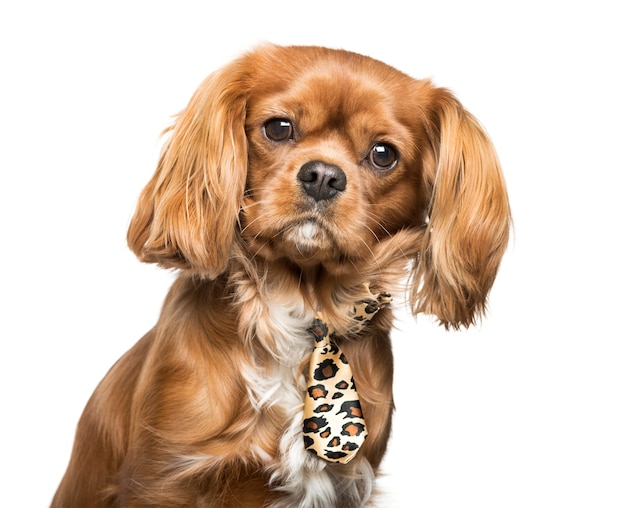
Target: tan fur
175, 422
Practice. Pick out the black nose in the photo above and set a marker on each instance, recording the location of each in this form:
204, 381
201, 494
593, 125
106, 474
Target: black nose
321, 180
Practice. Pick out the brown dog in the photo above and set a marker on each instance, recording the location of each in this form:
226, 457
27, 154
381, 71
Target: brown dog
297, 181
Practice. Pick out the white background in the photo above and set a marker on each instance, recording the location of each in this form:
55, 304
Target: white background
529, 409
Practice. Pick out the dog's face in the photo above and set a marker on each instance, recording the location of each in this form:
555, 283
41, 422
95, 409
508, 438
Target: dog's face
334, 161
318, 159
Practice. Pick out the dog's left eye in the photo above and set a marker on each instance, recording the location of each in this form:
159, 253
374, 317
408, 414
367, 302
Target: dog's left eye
383, 156
278, 129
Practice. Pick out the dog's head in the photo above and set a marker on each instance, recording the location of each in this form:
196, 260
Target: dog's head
314, 157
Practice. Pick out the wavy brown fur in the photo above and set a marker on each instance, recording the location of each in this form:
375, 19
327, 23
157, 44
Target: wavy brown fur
204, 410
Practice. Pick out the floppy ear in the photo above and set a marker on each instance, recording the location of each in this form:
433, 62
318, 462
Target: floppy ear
468, 217
187, 214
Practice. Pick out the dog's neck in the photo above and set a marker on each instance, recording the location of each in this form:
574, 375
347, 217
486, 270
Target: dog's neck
384, 266
262, 287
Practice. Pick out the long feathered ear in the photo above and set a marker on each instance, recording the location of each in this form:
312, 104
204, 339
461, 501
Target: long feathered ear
468, 217
187, 214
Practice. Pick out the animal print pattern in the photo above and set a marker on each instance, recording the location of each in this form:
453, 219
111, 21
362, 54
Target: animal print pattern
334, 427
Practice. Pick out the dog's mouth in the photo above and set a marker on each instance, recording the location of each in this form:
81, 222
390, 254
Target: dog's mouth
307, 241
307, 237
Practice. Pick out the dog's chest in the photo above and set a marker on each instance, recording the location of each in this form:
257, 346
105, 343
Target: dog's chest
280, 382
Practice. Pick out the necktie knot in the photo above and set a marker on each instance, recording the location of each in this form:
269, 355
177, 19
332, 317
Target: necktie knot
319, 330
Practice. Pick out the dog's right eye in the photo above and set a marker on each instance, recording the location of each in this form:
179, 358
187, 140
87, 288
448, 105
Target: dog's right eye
278, 129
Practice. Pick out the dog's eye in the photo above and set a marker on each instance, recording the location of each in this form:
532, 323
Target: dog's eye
278, 129
383, 156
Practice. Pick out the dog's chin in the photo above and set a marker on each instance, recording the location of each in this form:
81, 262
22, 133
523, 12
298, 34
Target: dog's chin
307, 237
308, 244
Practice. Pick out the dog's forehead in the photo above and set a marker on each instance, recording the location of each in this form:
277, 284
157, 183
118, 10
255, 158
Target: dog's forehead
336, 92
331, 86
333, 74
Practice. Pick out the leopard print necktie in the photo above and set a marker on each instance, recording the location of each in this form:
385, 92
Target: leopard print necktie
334, 427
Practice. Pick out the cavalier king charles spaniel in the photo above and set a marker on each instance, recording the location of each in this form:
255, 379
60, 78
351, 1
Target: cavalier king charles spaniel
297, 185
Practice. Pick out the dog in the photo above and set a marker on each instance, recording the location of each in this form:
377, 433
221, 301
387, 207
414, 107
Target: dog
298, 185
